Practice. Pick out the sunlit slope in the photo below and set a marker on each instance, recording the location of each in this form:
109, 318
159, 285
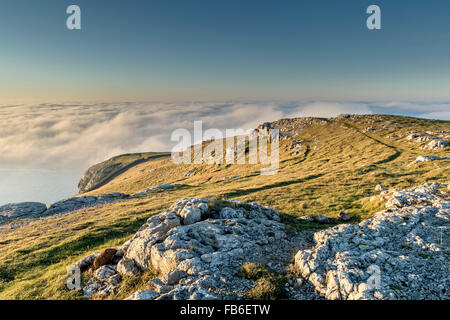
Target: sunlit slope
337, 168
339, 163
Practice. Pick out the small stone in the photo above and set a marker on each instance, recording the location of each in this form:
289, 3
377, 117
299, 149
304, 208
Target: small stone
190, 215
92, 289
145, 294
344, 216
159, 286
173, 277
203, 207
104, 272
127, 267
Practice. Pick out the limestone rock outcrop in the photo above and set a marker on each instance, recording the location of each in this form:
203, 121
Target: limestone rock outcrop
76, 203
199, 247
427, 159
22, 210
399, 253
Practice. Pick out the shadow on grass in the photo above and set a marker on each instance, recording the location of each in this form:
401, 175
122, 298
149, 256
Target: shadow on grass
238, 192
305, 225
388, 159
44, 257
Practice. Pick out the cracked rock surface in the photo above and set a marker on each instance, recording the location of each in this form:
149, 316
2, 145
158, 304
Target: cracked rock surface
22, 210
399, 253
198, 247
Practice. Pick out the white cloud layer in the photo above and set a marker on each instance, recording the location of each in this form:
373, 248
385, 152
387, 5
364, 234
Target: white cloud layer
77, 136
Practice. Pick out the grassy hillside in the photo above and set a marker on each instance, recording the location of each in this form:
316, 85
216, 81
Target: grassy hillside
337, 168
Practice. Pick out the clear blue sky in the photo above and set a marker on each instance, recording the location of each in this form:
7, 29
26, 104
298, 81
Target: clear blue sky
215, 50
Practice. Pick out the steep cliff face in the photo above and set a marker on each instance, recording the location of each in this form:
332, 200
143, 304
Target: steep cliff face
101, 173
96, 176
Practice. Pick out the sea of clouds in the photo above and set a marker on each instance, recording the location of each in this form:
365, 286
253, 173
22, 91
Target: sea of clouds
79, 135
45, 148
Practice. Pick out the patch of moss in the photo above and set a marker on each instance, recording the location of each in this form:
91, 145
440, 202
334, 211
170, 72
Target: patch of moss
268, 285
131, 284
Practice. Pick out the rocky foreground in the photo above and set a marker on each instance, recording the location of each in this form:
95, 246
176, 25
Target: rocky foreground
198, 247
400, 253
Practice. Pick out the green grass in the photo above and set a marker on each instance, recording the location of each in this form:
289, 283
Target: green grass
337, 170
131, 284
269, 285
